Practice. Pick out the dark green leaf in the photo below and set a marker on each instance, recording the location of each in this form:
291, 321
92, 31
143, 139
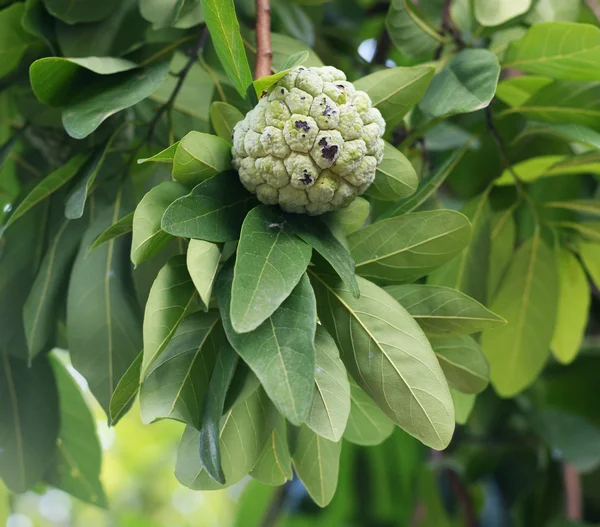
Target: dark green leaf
14, 39
570, 132
396, 177
126, 390
274, 466
164, 156
408, 31
74, 11
119, 228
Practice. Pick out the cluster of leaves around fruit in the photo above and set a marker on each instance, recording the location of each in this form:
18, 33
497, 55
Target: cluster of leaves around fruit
274, 336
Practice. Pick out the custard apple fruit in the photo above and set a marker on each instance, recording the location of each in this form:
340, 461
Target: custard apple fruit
312, 144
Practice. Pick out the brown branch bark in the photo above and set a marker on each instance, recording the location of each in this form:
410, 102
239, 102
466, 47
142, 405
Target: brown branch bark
264, 50
573, 494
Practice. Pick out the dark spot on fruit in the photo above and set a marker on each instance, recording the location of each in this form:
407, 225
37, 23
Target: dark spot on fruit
282, 90
327, 111
303, 135
341, 86
306, 179
302, 125
302, 98
328, 152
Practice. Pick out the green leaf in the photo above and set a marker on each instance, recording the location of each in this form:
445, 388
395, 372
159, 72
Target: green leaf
502, 242
589, 230
76, 469
463, 363
45, 297
176, 383
203, 263
224, 117
516, 90
553, 10
394, 91
331, 400
170, 299
317, 463
590, 254
274, 466
395, 178
172, 13
119, 228
500, 11
407, 247
561, 50
350, 218
573, 306
444, 312
466, 84
412, 35
567, 131
225, 34
321, 239
285, 47
213, 211
29, 420
281, 350
47, 186
214, 402
74, 11
248, 423
103, 322
126, 390
527, 299
148, 237
582, 206
463, 405
164, 156
270, 262
367, 424
387, 353
14, 39
262, 84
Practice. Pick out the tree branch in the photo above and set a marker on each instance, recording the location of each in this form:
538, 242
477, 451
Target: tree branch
264, 50
573, 495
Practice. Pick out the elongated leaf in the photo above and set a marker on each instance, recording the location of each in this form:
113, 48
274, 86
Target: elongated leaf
202, 263
213, 211
500, 11
527, 299
28, 405
248, 423
367, 424
396, 177
387, 353
119, 228
568, 131
262, 84
408, 30
224, 30
176, 383
584, 206
331, 400
573, 306
464, 365
317, 463
199, 157
590, 254
39, 312
270, 262
404, 248
76, 469
170, 299
394, 91
318, 235
589, 230
47, 186
274, 466
561, 50
210, 447
164, 156
442, 311
126, 390
466, 84
281, 350
224, 117
502, 243
103, 322
148, 237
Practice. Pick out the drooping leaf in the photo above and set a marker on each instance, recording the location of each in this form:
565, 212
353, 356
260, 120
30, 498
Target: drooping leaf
213, 211
389, 356
463, 405
119, 228
583, 206
573, 305
203, 263
199, 157
409, 32
176, 383
331, 400
395, 178
570, 132
500, 11
14, 39
75, 11
502, 242
28, 405
126, 390
270, 262
589, 230
210, 445
281, 350
443, 312
367, 424
76, 469
224, 117
403, 248
103, 320
561, 50
394, 91
317, 463
274, 466
171, 298
225, 34
148, 237
590, 254
527, 299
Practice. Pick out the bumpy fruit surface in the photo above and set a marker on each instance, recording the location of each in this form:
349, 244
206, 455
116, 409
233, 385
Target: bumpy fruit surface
312, 144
